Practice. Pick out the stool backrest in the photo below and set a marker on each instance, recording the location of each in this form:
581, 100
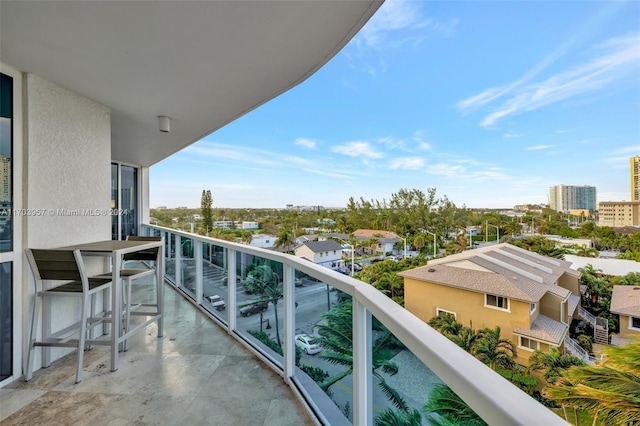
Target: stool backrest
55, 264
142, 255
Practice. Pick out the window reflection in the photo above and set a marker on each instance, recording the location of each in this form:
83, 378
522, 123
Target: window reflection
6, 183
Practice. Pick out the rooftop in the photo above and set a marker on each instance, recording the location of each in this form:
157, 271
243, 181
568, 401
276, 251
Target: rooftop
625, 300
501, 269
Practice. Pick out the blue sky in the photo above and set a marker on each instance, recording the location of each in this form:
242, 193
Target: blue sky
488, 102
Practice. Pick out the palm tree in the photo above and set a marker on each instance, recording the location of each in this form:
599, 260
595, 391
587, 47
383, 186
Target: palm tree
610, 392
587, 252
285, 239
419, 242
493, 350
262, 280
451, 408
391, 417
457, 246
446, 324
553, 364
336, 338
392, 284
467, 338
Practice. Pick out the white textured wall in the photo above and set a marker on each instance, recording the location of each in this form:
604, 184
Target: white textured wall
68, 156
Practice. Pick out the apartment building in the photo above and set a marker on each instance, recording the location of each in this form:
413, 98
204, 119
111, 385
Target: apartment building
619, 213
634, 172
532, 298
563, 198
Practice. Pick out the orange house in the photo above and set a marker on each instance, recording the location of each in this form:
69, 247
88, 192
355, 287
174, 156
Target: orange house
532, 298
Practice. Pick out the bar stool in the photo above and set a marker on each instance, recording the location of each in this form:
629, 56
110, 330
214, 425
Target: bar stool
68, 266
130, 274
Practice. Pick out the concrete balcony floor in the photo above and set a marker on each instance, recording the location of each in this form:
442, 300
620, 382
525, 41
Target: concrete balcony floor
196, 374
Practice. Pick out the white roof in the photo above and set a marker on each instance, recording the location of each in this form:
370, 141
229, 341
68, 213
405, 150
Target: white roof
618, 267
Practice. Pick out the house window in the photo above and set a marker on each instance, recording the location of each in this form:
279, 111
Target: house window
529, 344
494, 301
443, 312
634, 323
532, 308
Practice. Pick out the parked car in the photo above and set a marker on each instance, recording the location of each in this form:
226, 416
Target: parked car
308, 344
217, 302
254, 308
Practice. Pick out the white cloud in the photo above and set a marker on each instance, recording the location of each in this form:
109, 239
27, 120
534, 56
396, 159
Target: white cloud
357, 149
459, 171
307, 143
620, 59
634, 150
391, 16
329, 174
538, 147
407, 163
511, 135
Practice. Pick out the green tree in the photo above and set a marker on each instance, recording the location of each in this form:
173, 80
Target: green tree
391, 417
493, 350
419, 243
336, 338
552, 364
446, 324
262, 280
206, 201
285, 240
467, 338
447, 404
610, 392
587, 252
392, 284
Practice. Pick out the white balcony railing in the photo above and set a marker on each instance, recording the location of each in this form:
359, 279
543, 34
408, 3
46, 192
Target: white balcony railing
492, 397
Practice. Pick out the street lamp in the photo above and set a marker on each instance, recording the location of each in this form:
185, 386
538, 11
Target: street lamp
405, 247
353, 255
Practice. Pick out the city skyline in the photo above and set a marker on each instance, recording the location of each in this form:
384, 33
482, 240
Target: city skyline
491, 103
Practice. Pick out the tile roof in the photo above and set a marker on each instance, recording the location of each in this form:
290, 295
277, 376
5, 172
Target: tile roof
546, 329
625, 300
501, 269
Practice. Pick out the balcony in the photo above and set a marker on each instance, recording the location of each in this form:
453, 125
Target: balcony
211, 367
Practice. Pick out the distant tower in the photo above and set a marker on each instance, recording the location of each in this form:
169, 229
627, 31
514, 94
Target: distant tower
563, 198
635, 177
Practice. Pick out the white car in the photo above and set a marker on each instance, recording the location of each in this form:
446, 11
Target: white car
308, 344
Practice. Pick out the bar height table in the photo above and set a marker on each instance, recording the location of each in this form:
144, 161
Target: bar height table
115, 250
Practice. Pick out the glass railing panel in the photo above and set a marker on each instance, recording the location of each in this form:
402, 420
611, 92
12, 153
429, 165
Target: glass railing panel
323, 335
405, 388
188, 266
170, 257
214, 280
259, 310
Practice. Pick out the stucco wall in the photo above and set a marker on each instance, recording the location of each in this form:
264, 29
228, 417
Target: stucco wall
423, 299
68, 157
67, 151
625, 331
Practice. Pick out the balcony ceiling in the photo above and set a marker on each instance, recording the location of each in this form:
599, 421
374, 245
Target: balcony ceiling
202, 63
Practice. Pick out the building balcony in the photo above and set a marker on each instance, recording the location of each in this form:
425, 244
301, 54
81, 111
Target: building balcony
211, 367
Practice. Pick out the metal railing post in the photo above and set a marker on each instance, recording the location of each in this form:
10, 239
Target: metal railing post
362, 366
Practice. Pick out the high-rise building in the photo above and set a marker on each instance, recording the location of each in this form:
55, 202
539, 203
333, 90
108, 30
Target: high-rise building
563, 198
635, 177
